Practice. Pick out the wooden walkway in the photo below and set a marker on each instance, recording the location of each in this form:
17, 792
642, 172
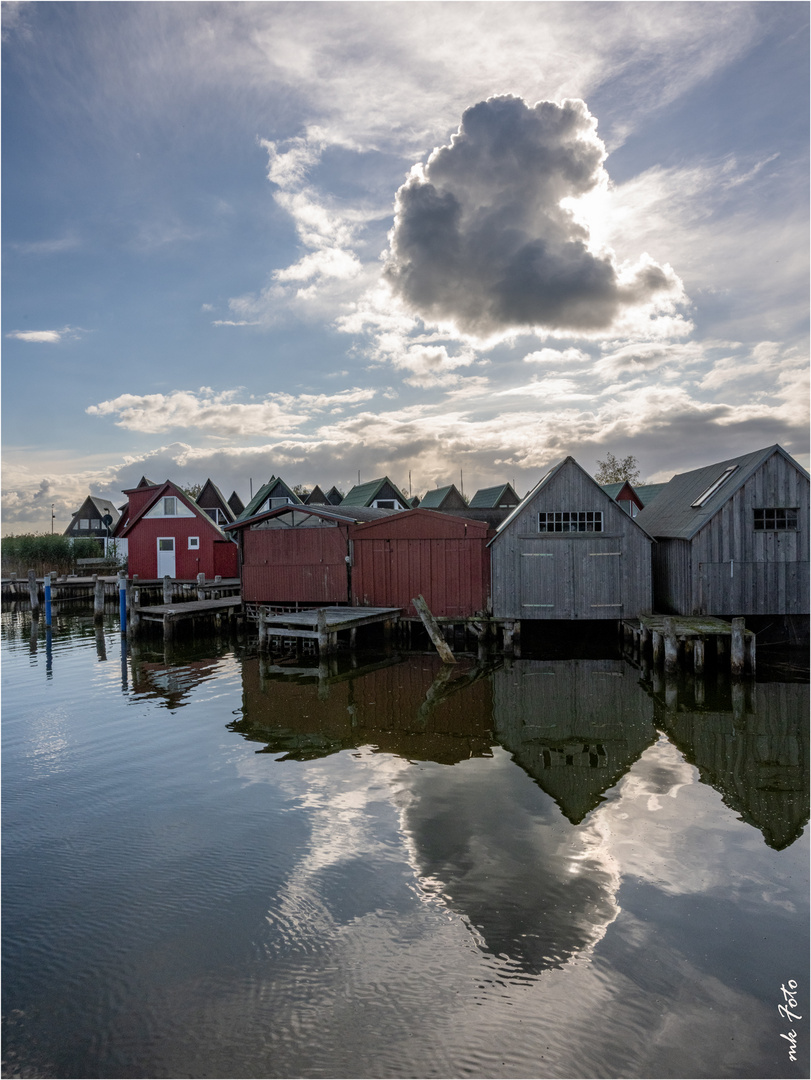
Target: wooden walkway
322, 624
680, 637
171, 614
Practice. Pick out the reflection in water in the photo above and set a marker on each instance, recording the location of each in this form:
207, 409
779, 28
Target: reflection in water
416, 709
576, 726
750, 742
415, 905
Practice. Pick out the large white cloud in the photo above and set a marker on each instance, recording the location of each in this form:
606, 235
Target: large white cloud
482, 239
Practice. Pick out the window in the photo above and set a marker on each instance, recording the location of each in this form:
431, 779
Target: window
84, 523
386, 504
570, 521
170, 506
711, 490
194, 543
216, 515
775, 519
95, 523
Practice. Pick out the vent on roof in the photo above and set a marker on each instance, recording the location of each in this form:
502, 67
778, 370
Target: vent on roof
711, 490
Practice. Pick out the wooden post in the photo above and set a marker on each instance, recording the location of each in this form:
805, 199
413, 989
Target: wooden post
671, 693
168, 628
644, 638
507, 634
33, 593
217, 579
167, 589
46, 588
135, 612
98, 599
656, 648
749, 642
671, 646
122, 601
738, 703
353, 637
263, 631
698, 656
698, 691
434, 633
323, 635
201, 581
737, 658
101, 644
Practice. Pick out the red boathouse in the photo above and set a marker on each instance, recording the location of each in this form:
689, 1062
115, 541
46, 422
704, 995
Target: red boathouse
168, 533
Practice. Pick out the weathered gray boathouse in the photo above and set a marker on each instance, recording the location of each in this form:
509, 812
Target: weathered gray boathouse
569, 551
732, 538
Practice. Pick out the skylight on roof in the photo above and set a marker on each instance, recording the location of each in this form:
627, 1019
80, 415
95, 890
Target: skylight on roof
711, 490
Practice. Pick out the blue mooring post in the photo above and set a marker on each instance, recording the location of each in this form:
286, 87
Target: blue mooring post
122, 601
47, 588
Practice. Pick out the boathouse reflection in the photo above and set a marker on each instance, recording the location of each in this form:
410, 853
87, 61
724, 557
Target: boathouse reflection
750, 742
419, 709
576, 726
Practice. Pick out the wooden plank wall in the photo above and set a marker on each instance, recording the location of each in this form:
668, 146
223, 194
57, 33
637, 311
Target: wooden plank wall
603, 575
737, 570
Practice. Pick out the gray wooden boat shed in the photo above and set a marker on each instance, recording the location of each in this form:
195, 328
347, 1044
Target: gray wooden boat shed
569, 551
732, 538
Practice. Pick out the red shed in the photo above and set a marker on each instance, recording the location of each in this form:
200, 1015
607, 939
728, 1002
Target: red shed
168, 533
422, 551
299, 555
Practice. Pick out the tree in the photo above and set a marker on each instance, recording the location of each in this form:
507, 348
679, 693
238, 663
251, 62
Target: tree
612, 471
192, 490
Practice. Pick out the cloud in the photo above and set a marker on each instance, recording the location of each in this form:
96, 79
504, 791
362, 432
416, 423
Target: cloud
217, 414
565, 357
482, 242
50, 337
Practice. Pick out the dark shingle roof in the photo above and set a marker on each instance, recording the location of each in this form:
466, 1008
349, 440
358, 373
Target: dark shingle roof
672, 513
433, 499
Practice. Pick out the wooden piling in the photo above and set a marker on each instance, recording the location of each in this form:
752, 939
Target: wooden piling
737, 657
435, 634
98, 599
656, 648
33, 593
46, 588
201, 582
167, 589
698, 656
671, 646
323, 636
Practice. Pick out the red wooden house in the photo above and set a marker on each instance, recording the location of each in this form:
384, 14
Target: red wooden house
168, 533
297, 554
445, 558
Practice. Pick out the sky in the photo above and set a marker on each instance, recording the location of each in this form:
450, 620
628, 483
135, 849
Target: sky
443, 242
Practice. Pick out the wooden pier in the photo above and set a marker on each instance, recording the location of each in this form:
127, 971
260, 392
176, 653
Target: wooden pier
170, 615
680, 641
322, 625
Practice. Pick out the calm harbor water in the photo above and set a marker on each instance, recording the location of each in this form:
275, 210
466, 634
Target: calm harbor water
214, 866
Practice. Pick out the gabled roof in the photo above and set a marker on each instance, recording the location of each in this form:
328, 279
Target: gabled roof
143, 482
211, 496
365, 494
624, 491
673, 514
499, 495
334, 497
101, 506
432, 500
168, 488
316, 496
264, 493
545, 480
347, 514
648, 492
236, 504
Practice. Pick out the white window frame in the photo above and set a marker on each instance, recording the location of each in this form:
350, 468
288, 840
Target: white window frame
170, 500
194, 543
557, 522
711, 490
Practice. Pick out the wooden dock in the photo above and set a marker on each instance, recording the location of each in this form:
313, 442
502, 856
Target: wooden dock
322, 625
169, 615
675, 640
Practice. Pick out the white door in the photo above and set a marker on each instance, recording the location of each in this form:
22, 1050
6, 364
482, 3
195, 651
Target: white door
166, 556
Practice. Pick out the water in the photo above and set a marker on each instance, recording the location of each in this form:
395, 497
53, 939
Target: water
218, 867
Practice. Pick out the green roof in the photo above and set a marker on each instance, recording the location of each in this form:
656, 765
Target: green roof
648, 492
263, 493
433, 499
365, 494
494, 496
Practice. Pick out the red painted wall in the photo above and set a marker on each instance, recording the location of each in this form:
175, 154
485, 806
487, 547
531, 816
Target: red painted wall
422, 551
285, 566
143, 548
